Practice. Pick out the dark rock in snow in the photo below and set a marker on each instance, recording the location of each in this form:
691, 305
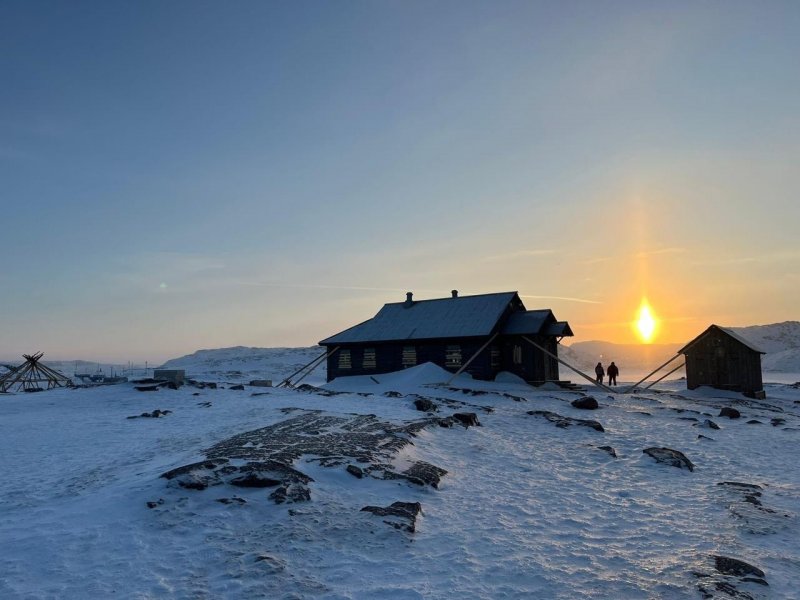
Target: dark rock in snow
670, 457
446, 422
234, 500
424, 405
564, 422
704, 437
754, 422
609, 449
737, 484
729, 412
708, 423
585, 403
425, 473
777, 421
253, 480
736, 567
392, 394
355, 471
289, 493
237, 387
402, 515
467, 419
146, 388
153, 504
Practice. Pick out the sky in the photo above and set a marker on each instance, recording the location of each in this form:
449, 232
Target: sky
186, 175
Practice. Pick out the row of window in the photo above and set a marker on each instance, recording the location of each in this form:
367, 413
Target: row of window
452, 358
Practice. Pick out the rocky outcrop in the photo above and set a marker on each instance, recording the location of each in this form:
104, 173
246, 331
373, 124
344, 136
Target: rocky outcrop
424, 405
401, 515
156, 414
467, 419
670, 457
564, 422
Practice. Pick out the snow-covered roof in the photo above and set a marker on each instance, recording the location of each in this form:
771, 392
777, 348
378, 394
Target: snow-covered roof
727, 331
454, 317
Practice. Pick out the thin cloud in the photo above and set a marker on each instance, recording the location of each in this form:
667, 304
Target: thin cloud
659, 251
566, 298
517, 255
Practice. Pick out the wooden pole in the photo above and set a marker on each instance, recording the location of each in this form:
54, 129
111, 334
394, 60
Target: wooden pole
473, 357
650, 374
324, 355
683, 364
584, 375
314, 368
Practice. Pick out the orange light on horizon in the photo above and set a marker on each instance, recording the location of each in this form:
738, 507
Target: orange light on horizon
645, 324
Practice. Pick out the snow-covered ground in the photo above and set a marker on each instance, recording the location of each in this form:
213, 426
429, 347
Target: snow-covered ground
526, 509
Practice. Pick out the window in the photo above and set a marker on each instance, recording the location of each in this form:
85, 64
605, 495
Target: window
452, 356
344, 359
517, 355
409, 356
369, 358
494, 353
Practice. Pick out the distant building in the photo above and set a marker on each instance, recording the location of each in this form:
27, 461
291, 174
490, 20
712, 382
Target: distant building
722, 359
449, 332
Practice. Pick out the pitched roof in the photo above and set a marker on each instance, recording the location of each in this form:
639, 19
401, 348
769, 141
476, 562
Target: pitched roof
530, 322
726, 331
462, 316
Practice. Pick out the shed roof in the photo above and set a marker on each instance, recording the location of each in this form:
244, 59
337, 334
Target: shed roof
462, 316
726, 331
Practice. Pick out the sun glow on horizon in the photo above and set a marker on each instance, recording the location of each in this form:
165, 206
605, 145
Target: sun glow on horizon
645, 324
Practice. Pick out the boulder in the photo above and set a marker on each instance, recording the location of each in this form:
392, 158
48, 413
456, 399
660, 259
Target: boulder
670, 457
586, 403
424, 405
237, 387
729, 412
355, 471
609, 449
291, 492
467, 419
564, 422
709, 424
736, 567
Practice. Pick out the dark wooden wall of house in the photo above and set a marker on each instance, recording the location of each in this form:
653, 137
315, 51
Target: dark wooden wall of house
720, 361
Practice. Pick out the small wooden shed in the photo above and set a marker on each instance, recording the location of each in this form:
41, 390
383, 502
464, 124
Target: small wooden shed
723, 359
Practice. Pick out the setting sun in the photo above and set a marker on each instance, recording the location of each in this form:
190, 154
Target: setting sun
645, 323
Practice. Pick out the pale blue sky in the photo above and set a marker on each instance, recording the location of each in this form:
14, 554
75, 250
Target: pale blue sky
178, 175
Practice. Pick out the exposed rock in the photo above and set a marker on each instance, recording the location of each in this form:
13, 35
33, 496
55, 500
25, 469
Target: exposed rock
704, 437
205, 465
709, 424
754, 422
729, 412
237, 387
446, 422
402, 515
424, 405
233, 500
355, 471
670, 457
585, 403
688, 419
290, 493
153, 504
737, 484
426, 473
777, 421
467, 419
609, 449
736, 567
146, 388
564, 422
391, 394
253, 480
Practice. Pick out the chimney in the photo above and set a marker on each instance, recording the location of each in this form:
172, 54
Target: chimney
409, 301
455, 293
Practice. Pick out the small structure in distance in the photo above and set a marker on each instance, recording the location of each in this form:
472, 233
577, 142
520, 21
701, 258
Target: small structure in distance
722, 359
29, 375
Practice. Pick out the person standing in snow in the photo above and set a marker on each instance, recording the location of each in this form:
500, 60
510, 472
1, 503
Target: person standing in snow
613, 371
598, 370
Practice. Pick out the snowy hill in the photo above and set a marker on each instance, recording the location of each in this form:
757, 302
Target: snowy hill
781, 342
242, 363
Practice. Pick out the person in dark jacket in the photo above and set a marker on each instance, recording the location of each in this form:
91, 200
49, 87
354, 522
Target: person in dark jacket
613, 371
600, 372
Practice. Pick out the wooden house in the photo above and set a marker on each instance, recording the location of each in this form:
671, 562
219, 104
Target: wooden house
722, 359
486, 333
